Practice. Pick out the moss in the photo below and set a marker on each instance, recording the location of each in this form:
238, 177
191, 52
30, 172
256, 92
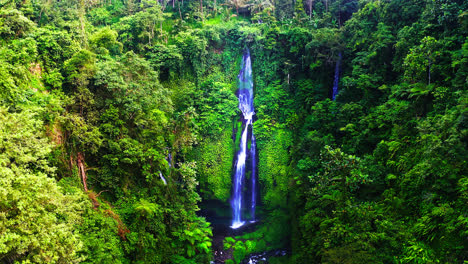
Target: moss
238, 136
214, 159
214, 21
273, 168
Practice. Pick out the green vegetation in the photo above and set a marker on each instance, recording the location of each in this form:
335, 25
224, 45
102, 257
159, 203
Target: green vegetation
118, 118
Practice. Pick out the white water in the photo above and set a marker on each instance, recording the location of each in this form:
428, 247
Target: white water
247, 109
162, 178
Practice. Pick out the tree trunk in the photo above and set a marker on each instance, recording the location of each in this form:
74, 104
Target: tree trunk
180, 13
71, 164
311, 2
339, 16
82, 13
81, 169
201, 8
429, 71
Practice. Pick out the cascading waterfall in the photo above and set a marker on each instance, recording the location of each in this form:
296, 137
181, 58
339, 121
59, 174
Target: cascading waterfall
162, 178
169, 161
337, 77
245, 154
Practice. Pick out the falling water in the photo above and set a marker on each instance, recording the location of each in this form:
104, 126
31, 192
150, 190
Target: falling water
337, 77
169, 161
162, 178
247, 109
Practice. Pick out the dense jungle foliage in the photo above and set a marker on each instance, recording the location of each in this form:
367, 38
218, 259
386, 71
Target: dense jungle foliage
117, 120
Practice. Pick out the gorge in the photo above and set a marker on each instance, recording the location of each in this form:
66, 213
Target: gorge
147, 132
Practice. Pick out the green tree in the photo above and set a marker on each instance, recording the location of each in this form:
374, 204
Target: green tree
37, 219
105, 41
419, 61
14, 24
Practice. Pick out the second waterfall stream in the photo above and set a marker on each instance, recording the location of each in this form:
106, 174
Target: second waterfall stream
246, 157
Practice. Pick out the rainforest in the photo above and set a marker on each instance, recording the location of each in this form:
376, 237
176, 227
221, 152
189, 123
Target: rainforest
234, 131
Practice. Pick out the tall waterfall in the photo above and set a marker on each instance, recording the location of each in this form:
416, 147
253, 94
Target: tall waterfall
337, 77
245, 154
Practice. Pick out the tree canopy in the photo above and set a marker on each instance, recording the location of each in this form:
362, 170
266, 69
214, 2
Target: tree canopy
119, 121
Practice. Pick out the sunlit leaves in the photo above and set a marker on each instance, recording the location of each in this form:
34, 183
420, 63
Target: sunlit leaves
13, 23
420, 59
36, 219
105, 41
80, 67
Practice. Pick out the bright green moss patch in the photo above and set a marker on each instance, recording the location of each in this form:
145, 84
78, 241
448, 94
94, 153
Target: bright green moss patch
214, 162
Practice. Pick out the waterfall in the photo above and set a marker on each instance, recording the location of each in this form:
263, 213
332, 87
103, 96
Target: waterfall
247, 109
169, 161
162, 178
337, 77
